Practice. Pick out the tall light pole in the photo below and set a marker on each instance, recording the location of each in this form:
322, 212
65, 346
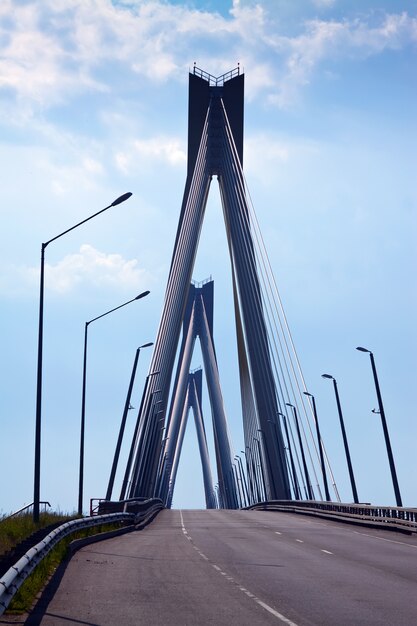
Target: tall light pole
385, 428
255, 474
261, 466
268, 460
123, 422
249, 474
81, 472
243, 479
294, 473
319, 442
300, 443
236, 480
134, 438
345, 441
37, 471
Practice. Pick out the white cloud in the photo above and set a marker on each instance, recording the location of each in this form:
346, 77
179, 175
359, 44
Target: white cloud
163, 149
53, 51
92, 267
88, 268
330, 40
266, 158
324, 4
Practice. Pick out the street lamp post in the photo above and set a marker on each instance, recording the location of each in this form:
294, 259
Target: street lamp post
268, 460
323, 467
243, 479
251, 493
235, 479
261, 466
123, 422
294, 473
81, 471
300, 443
255, 474
135, 434
38, 422
345, 441
385, 428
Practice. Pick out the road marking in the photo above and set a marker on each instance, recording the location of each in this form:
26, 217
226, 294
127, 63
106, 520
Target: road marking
402, 543
278, 533
265, 606
275, 613
327, 552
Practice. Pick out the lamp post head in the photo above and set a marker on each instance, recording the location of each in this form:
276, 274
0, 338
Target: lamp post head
327, 376
363, 349
121, 199
142, 295
146, 345
291, 405
310, 395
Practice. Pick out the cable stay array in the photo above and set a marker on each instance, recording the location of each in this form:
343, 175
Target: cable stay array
281, 454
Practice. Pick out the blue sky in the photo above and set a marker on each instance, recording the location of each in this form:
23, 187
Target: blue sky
93, 103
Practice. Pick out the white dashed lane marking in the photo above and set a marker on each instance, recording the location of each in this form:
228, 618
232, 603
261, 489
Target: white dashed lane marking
250, 595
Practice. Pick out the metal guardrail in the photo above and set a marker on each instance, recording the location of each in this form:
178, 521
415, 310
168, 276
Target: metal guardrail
18, 573
396, 518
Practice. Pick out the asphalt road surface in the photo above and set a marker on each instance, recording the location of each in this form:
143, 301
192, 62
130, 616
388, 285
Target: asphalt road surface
240, 567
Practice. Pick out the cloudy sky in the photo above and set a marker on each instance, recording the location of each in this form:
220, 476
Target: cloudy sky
93, 103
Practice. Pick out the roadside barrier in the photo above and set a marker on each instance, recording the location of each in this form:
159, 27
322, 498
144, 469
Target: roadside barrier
136, 516
387, 518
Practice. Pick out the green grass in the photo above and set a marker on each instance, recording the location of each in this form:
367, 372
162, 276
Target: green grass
26, 595
15, 529
24, 598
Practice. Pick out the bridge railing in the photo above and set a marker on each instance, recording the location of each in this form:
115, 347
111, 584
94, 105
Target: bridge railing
12, 580
396, 518
216, 81
26, 509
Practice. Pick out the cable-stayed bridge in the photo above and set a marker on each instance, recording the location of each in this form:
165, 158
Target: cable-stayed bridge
268, 549
277, 418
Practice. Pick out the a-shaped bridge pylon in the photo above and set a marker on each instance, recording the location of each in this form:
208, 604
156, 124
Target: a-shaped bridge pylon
215, 148
198, 323
168, 472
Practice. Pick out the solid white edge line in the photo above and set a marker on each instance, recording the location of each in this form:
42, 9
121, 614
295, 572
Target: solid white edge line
402, 543
275, 613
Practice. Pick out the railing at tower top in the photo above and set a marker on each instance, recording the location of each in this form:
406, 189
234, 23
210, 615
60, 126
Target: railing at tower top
216, 81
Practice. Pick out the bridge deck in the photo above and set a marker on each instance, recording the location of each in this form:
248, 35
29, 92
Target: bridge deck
240, 567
